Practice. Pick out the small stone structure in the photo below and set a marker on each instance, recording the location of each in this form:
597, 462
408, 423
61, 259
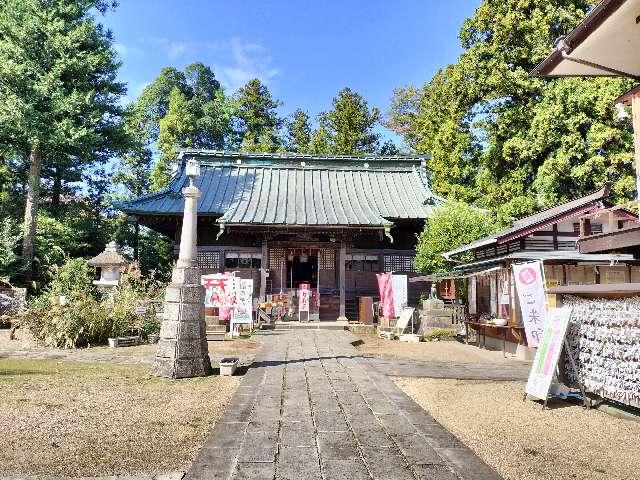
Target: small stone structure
434, 314
110, 262
182, 350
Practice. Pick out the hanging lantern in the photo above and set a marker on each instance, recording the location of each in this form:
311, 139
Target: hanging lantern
304, 258
290, 256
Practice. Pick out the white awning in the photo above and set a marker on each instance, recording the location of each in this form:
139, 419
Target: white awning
606, 43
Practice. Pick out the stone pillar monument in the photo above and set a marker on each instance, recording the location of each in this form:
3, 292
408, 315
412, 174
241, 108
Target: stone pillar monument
182, 349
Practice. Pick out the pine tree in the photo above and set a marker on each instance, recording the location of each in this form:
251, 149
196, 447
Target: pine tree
60, 100
298, 132
350, 124
256, 115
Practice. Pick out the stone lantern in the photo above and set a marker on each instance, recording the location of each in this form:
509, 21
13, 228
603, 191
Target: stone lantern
110, 262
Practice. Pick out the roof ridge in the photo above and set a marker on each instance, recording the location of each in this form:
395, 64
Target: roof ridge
604, 191
295, 155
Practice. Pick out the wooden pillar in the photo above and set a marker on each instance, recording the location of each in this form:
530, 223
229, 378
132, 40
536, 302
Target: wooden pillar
342, 257
264, 265
635, 112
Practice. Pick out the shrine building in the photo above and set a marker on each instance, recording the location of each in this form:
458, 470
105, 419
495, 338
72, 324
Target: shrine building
331, 221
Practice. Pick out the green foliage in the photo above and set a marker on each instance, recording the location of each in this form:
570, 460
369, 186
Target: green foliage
73, 277
438, 334
87, 317
10, 264
298, 132
134, 291
505, 140
349, 124
452, 225
177, 130
257, 117
179, 109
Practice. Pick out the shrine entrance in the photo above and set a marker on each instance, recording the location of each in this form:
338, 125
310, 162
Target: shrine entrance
302, 269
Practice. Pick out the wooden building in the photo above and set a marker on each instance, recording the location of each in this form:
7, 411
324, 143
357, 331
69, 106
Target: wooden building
332, 222
550, 235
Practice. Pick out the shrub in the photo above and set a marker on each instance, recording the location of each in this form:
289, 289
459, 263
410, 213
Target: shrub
89, 318
440, 334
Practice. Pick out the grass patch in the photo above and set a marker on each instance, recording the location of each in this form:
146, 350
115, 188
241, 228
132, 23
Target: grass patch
98, 418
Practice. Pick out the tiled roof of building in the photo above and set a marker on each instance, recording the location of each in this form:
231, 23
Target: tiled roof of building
301, 190
528, 224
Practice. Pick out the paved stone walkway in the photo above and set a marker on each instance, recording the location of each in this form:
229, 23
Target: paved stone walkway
458, 370
312, 408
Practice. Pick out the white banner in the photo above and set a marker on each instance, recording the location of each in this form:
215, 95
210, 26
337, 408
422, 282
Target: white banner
548, 354
303, 302
400, 294
242, 312
530, 286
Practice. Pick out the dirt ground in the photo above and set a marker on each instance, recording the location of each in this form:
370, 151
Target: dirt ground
86, 419
523, 442
25, 347
442, 351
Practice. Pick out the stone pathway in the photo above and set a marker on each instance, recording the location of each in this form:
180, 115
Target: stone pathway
312, 408
458, 370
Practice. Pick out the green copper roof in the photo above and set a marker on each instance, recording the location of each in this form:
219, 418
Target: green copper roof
300, 190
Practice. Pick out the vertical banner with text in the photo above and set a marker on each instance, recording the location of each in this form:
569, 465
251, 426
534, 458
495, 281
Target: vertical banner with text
530, 286
548, 354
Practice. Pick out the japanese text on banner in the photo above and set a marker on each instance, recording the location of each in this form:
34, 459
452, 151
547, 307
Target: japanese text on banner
530, 286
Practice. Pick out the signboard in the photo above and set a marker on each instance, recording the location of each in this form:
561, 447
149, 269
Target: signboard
546, 360
220, 290
303, 302
530, 286
243, 310
400, 293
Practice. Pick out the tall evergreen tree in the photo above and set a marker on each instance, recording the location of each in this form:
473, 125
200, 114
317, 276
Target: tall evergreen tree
298, 132
201, 117
178, 129
350, 124
512, 142
257, 116
60, 100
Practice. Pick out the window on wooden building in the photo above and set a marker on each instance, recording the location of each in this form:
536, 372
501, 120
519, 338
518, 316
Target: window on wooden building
362, 263
327, 259
209, 260
398, 263
242, 260
595, 228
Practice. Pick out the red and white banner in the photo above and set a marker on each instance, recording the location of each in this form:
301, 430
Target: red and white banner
533, 305
220, 290
385, 287
303, 302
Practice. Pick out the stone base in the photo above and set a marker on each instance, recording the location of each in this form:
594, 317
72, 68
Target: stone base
182, 350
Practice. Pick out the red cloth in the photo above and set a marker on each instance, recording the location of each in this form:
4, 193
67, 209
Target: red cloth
385, 288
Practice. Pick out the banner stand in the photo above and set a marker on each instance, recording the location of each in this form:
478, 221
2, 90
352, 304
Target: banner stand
537, 381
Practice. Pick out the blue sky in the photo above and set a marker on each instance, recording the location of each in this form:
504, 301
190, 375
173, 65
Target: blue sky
304, 50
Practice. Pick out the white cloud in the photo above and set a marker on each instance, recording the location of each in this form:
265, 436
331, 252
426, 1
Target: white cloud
246, 61
234, 62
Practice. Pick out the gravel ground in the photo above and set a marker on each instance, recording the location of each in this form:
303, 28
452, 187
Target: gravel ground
437, 351
91, 419
523, 442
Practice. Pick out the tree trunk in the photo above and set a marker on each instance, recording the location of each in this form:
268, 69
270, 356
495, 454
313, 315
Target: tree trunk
31, 210
57, 187
136, 241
